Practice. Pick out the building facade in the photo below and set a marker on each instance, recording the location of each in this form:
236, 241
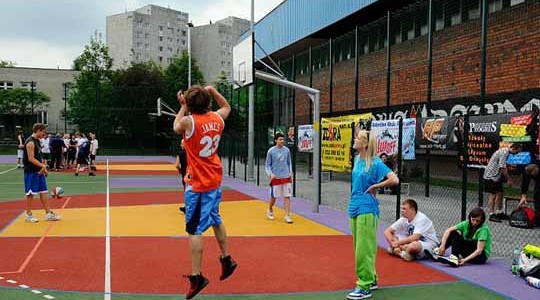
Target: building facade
212, 45
149, 33
51, 82
381, 57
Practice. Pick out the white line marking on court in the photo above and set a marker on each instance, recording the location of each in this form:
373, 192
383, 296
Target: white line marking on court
107, 294
36, 292
8, 170
23, 286
48, 297
11, 281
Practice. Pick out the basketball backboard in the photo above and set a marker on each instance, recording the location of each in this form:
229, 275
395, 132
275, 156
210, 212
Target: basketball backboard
243, 62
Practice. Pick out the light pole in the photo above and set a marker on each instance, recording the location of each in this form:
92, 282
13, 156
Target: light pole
189, 25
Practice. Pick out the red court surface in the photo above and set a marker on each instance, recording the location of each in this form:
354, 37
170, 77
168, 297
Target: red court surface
156, 265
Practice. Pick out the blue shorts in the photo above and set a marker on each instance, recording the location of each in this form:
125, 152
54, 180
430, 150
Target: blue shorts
202, 210
34, 183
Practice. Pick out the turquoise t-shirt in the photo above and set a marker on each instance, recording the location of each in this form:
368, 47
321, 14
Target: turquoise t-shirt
482, 234
362, 202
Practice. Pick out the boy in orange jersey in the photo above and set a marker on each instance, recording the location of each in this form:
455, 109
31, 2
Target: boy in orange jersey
202, 129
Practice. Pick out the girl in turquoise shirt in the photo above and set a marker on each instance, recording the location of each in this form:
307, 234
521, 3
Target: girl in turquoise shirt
367, 177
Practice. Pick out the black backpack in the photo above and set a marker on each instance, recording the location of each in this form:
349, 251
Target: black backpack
522, 217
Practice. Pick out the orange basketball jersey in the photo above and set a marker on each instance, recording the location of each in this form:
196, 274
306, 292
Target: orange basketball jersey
204, 170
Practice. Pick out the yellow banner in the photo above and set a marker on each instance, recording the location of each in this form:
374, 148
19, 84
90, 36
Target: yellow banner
336, 137
513, 130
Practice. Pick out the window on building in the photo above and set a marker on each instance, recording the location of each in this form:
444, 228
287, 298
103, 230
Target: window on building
160, 27
160, 58
28, 85
6, 85
183, 42
184, 33
495, 6
439, 17
454, 13
140, 23
139, 34
420, 22
139, 45
146, 46
471, 9
62, 114
160, 48
42, 117
146, 36
160, 38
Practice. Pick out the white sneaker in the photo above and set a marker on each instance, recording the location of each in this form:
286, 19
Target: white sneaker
51, 216
270, 215
30, 218
407, 256
288, 219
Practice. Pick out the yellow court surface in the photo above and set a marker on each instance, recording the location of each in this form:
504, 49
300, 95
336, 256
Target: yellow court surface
242, 218
135, 167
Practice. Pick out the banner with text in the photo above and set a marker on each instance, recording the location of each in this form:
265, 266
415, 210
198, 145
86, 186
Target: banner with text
336, 137
305, 138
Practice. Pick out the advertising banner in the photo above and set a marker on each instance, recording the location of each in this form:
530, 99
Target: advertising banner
336, 138
305, 138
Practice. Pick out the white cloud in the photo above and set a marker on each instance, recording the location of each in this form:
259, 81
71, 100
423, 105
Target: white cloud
217, 10
38, 54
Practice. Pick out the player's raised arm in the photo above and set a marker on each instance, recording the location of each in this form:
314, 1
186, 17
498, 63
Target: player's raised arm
224, 107
180, 122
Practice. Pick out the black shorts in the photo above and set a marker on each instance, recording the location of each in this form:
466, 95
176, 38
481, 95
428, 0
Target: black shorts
493, 187
92, 157
82, 160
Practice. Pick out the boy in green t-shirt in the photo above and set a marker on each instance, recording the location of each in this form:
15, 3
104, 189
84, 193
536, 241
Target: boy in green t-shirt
470, 241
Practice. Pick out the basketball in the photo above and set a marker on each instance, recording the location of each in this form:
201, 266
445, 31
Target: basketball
57, 192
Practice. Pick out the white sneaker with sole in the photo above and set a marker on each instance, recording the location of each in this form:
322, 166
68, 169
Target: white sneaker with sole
270, 215
30, 218
288, 219
51, 216
406, 256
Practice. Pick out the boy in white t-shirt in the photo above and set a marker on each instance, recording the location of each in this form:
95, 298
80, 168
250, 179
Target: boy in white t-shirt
411, 234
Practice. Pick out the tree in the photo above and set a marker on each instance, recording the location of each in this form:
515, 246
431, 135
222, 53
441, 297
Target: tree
90, 96
134, 94
19, 101
7, 64
176, 77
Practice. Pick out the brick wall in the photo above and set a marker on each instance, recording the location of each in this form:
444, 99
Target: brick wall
513, 64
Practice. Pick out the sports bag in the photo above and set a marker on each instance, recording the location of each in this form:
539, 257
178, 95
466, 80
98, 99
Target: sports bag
528, 265
522, 217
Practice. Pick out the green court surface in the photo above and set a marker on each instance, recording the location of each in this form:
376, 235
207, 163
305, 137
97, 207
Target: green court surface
458, 291
12, 184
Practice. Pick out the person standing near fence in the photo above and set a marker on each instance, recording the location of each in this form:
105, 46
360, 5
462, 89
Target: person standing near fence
279, 170
20, 149
35, 171
367, 176
202, 130
493, 177
531, 172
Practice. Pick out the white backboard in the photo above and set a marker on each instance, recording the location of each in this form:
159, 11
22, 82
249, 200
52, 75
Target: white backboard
243, 62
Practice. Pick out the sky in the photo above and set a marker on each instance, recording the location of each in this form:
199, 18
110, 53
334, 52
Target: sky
52, 33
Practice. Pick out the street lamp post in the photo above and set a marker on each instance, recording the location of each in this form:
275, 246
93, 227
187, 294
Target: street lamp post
189, 25
32, 84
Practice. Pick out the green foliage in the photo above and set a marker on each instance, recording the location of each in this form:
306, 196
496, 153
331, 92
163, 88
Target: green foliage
7, 64
135, 90
90, 96
19, 101
176, 77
